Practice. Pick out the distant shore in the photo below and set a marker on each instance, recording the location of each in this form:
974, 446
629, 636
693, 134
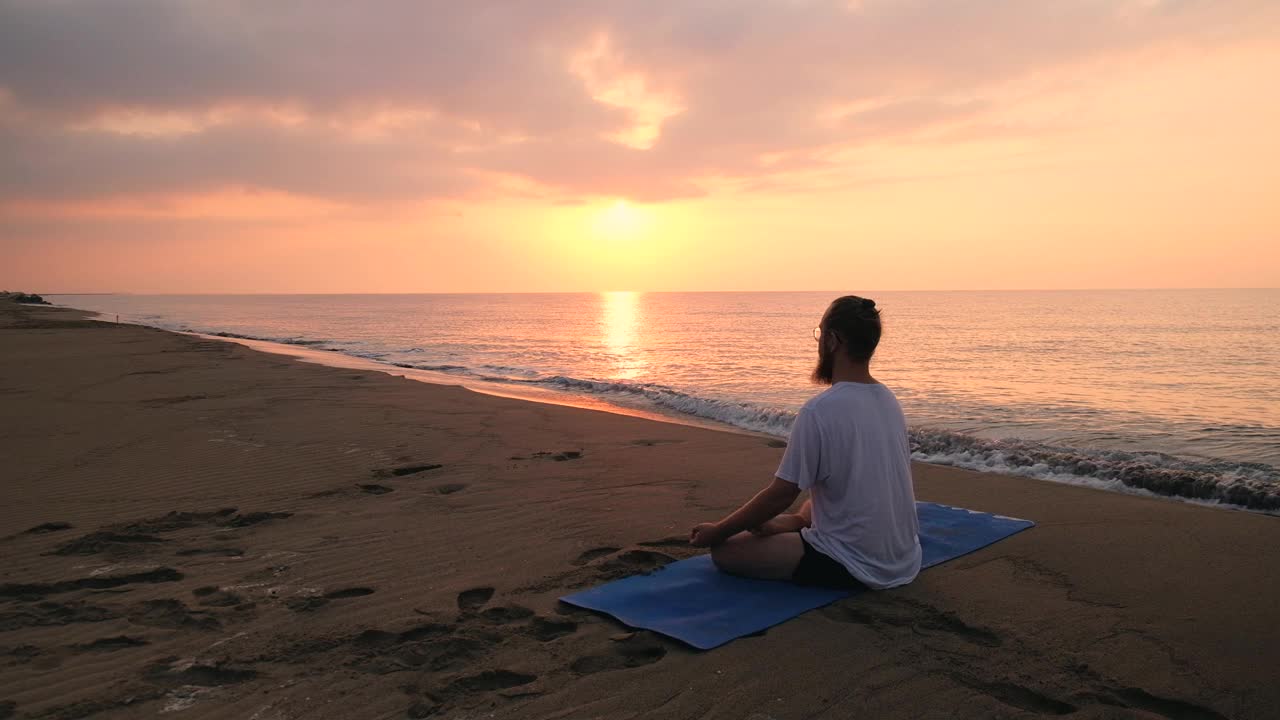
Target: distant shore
194, 525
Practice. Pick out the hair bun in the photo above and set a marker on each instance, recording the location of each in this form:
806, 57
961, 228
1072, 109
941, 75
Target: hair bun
868, 304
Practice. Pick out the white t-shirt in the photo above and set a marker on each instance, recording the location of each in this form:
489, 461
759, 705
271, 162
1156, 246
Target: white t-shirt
849, 449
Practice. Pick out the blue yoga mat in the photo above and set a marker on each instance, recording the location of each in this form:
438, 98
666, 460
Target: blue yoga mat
693, 602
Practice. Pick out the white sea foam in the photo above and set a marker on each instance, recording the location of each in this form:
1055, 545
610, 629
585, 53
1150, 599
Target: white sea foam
1242, 485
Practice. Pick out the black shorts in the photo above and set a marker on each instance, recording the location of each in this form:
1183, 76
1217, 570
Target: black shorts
815, 568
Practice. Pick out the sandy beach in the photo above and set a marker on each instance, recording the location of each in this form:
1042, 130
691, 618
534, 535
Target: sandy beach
197, 529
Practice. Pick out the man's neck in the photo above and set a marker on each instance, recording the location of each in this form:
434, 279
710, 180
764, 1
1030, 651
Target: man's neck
849, 371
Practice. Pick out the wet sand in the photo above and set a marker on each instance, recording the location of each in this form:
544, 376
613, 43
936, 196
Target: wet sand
194, 527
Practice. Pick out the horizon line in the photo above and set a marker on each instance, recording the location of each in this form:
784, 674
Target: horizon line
657, 292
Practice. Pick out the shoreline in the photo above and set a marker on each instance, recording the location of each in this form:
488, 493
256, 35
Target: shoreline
337, 359
303, 352
396, 550
546, 397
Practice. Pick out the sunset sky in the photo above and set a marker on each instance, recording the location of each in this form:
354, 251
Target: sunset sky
417, 146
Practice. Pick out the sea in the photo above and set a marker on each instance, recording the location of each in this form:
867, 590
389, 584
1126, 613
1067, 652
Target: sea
1174, 393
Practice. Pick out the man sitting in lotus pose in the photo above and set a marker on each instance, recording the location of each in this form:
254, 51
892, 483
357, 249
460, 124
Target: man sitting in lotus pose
849, 449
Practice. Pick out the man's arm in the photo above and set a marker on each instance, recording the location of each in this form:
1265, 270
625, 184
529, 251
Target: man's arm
788, 522
767, 503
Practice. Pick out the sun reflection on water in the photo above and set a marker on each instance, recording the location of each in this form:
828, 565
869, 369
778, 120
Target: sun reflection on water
620, 320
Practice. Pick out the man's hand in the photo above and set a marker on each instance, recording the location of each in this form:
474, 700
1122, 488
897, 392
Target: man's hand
765, 505
706, 535
785, 523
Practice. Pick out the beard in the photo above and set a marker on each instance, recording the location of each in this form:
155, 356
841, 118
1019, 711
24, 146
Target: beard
824, 371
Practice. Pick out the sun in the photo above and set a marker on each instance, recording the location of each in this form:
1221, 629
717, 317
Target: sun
621, 221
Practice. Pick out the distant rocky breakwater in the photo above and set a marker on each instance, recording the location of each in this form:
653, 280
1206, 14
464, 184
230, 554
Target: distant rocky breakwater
24, 298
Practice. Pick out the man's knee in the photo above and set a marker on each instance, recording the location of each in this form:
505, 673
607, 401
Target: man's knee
773, 558
728, 556
719, 555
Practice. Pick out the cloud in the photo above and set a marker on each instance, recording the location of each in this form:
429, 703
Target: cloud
405, 99
41, 163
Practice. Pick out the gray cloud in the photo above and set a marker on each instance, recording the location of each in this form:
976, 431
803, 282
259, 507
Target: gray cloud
72, 58
753, 77
56, 164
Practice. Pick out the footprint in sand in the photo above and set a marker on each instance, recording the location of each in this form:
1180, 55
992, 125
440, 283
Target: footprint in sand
315, 602
920, 618
349, 593
166, 672
474, 599
305, 604
43, 614
558, 456
573, 611
776, 443
141, 535
108, 542
254, 518
454, 662
375, 489
213, 597
212, 552
465, 687
449, 488
633, 562
506, 615
635, 650
380, 639
440, 655
594, 553
110, 644
546, 630
326, 493
406, 470
561, 456
595, 566
37, 591
171, 614
1020, 697
491, 680
47, 528
435, 647
267, 573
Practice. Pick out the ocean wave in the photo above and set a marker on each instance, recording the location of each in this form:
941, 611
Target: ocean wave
744, 415
1253, 486
508, 370
457, 369
304, 342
